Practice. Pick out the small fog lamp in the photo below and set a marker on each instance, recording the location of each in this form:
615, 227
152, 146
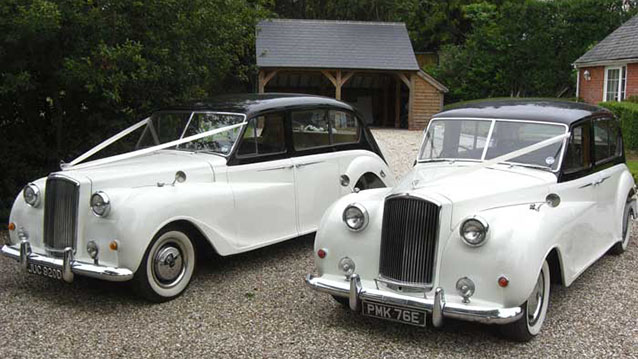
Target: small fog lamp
347, 266
91, 249
355, 216
474, 231
466, 288
100, 204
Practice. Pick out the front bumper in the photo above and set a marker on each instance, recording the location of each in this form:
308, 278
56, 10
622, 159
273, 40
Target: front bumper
66, 264
436, 306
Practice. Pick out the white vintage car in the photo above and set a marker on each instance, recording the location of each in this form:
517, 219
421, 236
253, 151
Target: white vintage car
235, 174
505, 197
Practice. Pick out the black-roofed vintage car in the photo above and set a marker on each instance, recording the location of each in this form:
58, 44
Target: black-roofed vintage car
505, 197
235, 173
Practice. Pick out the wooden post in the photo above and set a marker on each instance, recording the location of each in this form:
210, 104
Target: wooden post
262, 84
385, 105
397, 107
338, 86
411, 101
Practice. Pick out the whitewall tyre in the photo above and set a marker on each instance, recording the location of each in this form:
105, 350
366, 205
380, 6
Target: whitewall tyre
167, 266
627, 224
534, 310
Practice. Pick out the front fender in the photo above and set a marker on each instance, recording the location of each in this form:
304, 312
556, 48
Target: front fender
518, 241
138, 214
368, 163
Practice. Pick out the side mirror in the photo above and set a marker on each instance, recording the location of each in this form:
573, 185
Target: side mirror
180, 177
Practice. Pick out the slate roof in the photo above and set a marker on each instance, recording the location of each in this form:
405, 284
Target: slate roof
334, 45
619, 45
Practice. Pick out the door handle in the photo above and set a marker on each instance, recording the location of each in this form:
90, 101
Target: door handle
307, 164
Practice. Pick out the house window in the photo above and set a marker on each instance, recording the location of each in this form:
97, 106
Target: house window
615, 83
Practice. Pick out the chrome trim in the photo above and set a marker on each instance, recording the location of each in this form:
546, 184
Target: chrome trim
276, 168
355, 292
54, 222
308, 164
68, 265
480, 220
420, 287
486, 315
107, 203
366, 217
37, 193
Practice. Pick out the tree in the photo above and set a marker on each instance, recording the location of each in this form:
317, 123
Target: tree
74, 71
526, 48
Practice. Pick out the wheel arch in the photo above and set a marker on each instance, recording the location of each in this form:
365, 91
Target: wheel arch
202, 244
555, 263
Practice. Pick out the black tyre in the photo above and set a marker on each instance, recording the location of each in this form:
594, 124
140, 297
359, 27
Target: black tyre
167, 266
342, 300
628, 217
534, 311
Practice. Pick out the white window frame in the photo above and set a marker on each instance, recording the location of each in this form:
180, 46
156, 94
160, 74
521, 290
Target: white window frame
620, 89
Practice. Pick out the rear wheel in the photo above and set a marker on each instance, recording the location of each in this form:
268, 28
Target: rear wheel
167, 266
534, 311
628, 217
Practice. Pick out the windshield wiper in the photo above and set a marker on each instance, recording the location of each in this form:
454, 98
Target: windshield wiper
528, 165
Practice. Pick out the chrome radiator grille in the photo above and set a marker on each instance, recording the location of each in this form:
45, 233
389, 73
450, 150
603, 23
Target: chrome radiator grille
408, 240
60, 213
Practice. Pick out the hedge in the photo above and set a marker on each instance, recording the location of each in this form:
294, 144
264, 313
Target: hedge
628, 114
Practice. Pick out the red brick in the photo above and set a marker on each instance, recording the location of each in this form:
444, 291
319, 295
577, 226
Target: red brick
592, 91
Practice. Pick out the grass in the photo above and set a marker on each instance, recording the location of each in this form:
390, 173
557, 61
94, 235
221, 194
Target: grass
633, 167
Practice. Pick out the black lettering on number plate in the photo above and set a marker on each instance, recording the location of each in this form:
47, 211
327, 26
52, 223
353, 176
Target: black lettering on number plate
396, 314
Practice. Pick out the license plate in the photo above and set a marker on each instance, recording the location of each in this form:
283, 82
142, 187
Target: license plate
395, 314
45, 271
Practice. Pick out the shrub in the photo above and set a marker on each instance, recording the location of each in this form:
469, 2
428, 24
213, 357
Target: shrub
628, 114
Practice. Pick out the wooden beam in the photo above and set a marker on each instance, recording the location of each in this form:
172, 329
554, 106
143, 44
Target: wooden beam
269, 77
385, 105
346, 77
332, 79
404, 78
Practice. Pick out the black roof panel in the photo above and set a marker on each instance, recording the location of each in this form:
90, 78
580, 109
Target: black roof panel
565, 112
250, 104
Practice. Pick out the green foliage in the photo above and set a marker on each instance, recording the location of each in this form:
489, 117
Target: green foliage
73, 72
525, 48
628, 114
633, 168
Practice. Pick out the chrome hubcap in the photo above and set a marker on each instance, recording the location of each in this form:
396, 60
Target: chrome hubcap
168, 265
535, 301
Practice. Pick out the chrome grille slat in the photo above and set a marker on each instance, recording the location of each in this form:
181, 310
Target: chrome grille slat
408, 240
61, 201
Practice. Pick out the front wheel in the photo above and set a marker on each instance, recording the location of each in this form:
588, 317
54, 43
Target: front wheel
167, 266
534, 311
628, 217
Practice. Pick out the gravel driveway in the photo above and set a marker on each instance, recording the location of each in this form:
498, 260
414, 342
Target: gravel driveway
256, 305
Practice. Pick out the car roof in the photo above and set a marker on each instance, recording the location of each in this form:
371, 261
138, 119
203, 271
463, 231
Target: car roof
251, 104
555, 111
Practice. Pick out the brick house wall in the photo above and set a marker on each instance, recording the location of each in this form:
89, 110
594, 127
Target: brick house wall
592, 91
632, 80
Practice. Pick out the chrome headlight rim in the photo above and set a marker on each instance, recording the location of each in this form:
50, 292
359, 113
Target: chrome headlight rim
364, 213
482, 222
106, 204
36, 193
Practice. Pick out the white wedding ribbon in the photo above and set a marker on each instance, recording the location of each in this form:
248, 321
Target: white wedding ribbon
503, 158
75, 163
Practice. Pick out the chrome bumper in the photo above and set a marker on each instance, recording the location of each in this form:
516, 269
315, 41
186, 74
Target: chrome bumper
66, 264
436, 306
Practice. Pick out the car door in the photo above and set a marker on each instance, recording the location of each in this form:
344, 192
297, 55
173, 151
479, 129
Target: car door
607, 153
262, 179
578, 236
316, 166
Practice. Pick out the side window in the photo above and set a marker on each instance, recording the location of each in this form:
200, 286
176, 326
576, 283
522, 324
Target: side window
606, 139
344, 127
264, 135
578, 156
310, 129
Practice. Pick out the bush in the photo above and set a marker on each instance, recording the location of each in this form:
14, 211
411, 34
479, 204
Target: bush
628, 114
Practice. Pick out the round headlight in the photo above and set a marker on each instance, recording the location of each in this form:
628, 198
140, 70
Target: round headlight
100, 204
31, 194
355, 217
474, 231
